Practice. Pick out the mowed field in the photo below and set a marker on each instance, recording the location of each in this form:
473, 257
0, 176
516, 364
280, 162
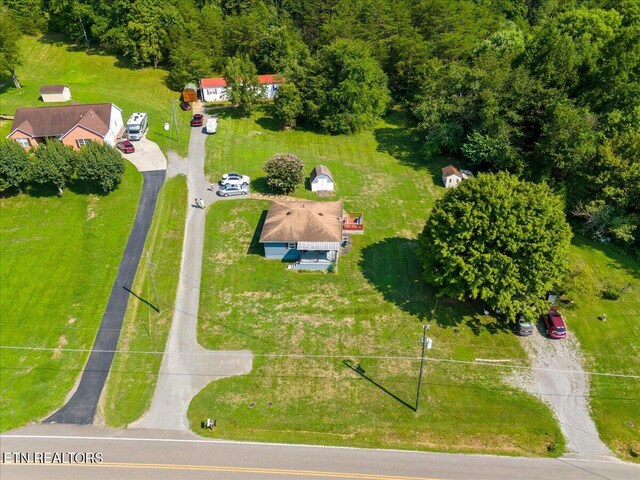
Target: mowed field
309, 330
94, 78
60, 256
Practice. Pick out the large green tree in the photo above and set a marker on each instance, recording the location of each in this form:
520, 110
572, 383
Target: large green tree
243, 86
347, 89
14, 165
10, 57
100, 164
496, 239
287, 105
54, 164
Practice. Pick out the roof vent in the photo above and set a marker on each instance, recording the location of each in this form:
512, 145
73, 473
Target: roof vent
321, 214
288, 213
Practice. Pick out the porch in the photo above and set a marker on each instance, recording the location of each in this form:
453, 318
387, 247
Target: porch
353, 222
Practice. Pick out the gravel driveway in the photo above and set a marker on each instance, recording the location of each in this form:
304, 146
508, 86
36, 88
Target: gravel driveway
558, 379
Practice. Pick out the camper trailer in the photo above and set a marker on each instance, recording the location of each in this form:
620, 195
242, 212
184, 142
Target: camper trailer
136, 126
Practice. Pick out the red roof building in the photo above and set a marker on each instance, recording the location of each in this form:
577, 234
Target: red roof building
215, 89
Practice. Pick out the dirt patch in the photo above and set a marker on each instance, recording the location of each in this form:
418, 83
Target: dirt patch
62, 341
91, 205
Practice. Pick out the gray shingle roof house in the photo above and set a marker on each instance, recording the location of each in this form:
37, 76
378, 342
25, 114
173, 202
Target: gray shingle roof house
321, 179
307, 233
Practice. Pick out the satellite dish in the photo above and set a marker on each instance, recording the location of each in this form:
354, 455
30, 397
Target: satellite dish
166, 127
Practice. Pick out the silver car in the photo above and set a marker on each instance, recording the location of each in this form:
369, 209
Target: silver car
230, 190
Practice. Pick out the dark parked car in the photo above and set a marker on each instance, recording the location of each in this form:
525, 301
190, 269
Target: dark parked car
554, 324
522, 326
126, 146
186, 106
197, 120
227, 190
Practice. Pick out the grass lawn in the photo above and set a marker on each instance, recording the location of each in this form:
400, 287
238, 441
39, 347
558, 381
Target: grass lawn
60, 256
94, 78
612, 345
132, 378
307, 329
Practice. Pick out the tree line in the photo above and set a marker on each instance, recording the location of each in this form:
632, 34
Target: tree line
56, 164
547, 90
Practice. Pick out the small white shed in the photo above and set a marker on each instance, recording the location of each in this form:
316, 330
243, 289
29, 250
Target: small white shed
55, 93
321, 179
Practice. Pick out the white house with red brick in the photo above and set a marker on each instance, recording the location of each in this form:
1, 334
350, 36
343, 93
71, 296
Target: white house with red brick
215, 89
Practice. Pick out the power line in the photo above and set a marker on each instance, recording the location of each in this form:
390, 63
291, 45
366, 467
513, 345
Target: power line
324, 356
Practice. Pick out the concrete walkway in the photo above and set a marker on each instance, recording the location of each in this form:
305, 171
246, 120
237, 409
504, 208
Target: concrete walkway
81, 407
186, 366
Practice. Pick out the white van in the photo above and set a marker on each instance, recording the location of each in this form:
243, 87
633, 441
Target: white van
212, 125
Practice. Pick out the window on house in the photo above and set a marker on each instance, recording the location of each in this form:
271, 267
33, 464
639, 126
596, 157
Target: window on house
83, 141
291, 246
23, 142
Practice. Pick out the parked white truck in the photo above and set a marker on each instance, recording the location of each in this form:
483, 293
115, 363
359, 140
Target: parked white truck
212, 125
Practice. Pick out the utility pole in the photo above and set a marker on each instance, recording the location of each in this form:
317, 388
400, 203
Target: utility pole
153, 279
425, 340
175, 122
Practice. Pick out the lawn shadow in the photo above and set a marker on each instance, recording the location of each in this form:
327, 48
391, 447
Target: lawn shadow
270, 123
616, 258
404, 142
360, 371
255, 247
39, 190
392, 267
84, 187
260, 185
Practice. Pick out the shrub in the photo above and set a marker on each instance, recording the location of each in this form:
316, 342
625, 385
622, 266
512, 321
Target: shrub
284, 172
100, 164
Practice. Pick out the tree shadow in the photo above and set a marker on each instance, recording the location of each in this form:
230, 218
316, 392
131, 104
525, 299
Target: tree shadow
404, 142
85, 187
392, 267
255, 247
616, 257
260, 185
270, 123
39, 190
360, 371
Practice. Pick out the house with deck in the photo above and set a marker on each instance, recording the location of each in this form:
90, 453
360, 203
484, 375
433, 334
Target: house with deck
308, 234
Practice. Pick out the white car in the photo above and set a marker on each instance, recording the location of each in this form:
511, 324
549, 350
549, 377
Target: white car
212, 125
234, 179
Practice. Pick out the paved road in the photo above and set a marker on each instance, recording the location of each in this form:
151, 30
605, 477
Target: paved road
151, 454
186, 366
147, 156
81, 407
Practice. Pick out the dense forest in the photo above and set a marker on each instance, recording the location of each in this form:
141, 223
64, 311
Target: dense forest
548, 90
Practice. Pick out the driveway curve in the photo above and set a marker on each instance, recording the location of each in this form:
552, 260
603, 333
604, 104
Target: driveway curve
81, 407
186, 366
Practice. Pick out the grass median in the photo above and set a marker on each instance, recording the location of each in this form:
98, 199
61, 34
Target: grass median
133, 376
